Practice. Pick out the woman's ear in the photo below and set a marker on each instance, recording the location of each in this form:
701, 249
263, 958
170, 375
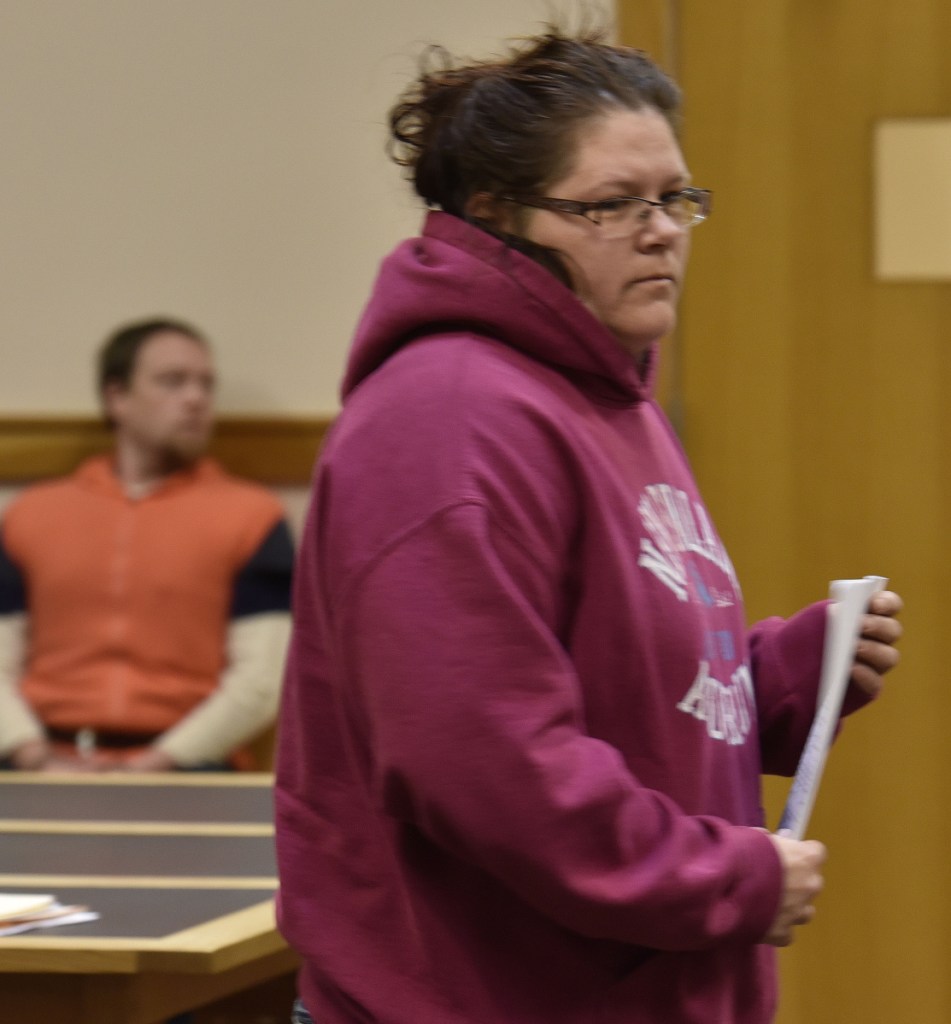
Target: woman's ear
485, 207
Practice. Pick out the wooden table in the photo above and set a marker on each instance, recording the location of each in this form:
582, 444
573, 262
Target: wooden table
179, 866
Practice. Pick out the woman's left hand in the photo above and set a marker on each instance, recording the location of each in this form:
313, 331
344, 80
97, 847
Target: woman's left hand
876, 654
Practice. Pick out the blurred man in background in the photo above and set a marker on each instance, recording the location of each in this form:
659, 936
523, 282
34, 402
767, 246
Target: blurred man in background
144, 599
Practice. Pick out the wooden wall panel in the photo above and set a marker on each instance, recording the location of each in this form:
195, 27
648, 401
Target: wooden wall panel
273, 450
815, 417
651, 25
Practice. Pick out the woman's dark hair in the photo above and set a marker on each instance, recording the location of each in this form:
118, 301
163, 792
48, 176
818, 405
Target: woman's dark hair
509, 125
119, 352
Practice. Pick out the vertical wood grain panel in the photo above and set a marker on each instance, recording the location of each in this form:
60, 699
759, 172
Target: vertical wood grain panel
652, 26
816, 420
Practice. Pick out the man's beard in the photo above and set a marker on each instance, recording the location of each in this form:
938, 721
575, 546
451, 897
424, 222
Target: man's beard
183, 452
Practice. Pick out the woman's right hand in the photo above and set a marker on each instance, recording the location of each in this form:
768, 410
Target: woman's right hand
802, 881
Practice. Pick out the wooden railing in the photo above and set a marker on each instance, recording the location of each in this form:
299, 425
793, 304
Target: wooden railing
274, 450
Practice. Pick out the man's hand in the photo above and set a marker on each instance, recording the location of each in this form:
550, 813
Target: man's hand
802, 882
149, 760
39, 756
31, 756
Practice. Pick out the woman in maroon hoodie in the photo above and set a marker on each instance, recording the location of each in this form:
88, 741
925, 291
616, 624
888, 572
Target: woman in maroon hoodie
524, 721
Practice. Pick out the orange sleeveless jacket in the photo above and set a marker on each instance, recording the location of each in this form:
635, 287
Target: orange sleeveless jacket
129, 600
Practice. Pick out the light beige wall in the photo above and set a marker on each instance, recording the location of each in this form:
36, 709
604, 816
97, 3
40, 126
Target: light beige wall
816, 417
220, 160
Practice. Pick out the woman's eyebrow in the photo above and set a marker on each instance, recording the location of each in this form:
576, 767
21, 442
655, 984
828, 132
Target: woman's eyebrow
628, 186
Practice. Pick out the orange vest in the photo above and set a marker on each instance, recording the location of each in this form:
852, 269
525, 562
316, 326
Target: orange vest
129, 599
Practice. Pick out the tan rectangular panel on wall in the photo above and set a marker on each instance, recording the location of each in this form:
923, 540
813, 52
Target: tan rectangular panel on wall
912, 163
816, 420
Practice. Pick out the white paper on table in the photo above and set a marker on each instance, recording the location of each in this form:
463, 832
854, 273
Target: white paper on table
80, 917
16, 904
848, 603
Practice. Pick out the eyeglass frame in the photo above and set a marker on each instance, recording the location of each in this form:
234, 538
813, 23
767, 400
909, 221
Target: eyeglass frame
703, 196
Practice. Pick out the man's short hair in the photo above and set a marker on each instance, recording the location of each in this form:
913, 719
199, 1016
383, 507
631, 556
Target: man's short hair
119, 352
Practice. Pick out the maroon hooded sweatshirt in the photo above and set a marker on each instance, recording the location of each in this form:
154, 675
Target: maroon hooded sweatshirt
524, 722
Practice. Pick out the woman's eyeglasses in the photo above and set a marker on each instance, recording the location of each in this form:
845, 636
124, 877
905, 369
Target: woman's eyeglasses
624, 215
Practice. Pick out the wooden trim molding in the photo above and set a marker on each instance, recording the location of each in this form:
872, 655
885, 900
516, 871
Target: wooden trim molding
273, 450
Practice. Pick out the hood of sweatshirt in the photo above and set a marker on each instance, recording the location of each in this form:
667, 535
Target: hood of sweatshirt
456, 277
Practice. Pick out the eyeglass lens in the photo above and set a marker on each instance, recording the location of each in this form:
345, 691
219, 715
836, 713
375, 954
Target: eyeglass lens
684, 210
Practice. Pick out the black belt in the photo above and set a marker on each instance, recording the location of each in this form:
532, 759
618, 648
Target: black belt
102, 738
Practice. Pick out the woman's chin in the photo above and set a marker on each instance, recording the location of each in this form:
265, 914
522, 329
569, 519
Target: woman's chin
637, 342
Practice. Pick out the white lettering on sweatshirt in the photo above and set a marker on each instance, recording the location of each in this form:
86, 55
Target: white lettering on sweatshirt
727, 711
677, 526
